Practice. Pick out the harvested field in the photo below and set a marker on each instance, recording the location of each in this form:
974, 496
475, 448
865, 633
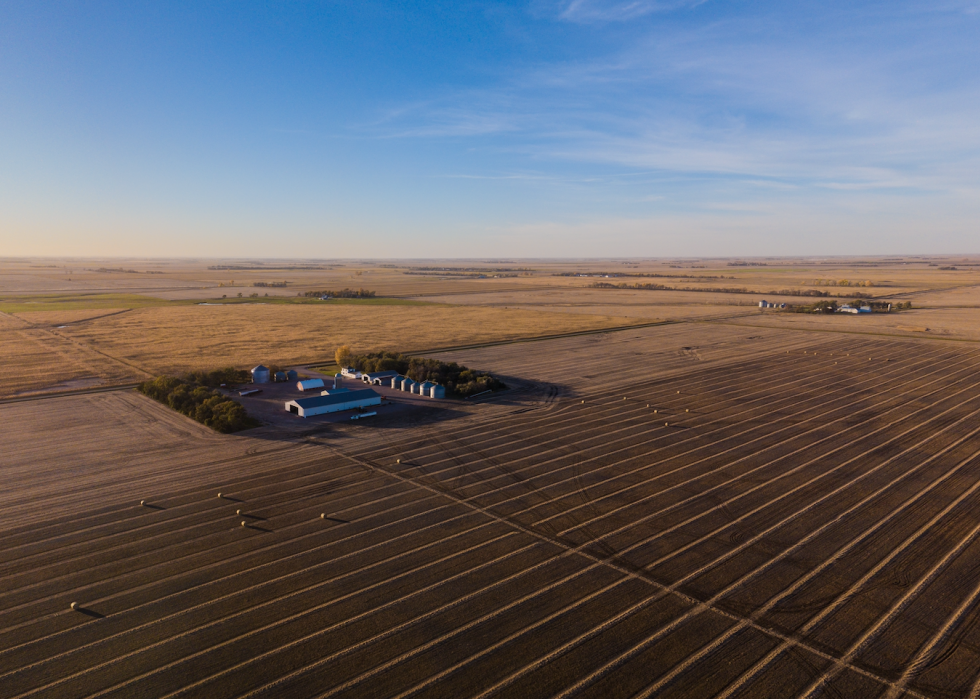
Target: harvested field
946, 323
191, 337
56, 318
804, 522
33, 358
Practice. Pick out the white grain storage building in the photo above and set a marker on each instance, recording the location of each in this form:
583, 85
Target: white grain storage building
335, 402
425, 388
260, 374
309, 384
407, 384
376, 378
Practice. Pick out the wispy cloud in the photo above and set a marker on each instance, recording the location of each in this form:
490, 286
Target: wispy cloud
596, 11
867, 107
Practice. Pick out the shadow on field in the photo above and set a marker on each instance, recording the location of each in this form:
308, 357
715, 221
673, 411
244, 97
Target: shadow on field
90, 612
153, 507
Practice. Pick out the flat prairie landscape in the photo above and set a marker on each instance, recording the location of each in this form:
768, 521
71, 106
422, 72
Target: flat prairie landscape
734, 504
96, 323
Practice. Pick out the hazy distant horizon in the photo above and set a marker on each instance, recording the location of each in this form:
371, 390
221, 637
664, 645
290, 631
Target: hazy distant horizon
510, 259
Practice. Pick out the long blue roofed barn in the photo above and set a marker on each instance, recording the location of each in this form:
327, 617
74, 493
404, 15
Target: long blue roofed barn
333, 402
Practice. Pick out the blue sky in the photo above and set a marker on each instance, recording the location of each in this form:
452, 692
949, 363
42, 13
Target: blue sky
536, 129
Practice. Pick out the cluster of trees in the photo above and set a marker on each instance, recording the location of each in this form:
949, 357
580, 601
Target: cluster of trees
228, 376
342, 294
458, 380
467, 275
649, 286
719, 290
277, 285
640, 274
835, 282
199, 402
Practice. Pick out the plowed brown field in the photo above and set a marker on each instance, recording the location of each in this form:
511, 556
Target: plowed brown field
670, 512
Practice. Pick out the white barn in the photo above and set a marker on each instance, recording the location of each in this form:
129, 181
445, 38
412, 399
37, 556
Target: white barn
309, 384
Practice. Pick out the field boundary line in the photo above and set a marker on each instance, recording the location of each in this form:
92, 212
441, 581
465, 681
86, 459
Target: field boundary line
764, 662
897, 607
768, 564
788, 640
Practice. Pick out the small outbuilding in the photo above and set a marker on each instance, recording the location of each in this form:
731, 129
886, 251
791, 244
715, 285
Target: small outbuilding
260, 374
309, 384
375, 378
334, 402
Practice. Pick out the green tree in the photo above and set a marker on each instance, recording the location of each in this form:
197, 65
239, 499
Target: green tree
342, 356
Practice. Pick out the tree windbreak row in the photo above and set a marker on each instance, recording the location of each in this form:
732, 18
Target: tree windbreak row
651, 286
458, 380
194, 398
342, 294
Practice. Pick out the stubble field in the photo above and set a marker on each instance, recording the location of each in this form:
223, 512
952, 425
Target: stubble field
671, 511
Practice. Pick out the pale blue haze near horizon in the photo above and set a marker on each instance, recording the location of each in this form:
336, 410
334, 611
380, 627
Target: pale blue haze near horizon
522, 129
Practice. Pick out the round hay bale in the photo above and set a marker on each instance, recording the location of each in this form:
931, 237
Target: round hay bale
686, 410
666, 424
74, 605
398, 461
142, 502
244, 523
219, 495
323, 515
238, 512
